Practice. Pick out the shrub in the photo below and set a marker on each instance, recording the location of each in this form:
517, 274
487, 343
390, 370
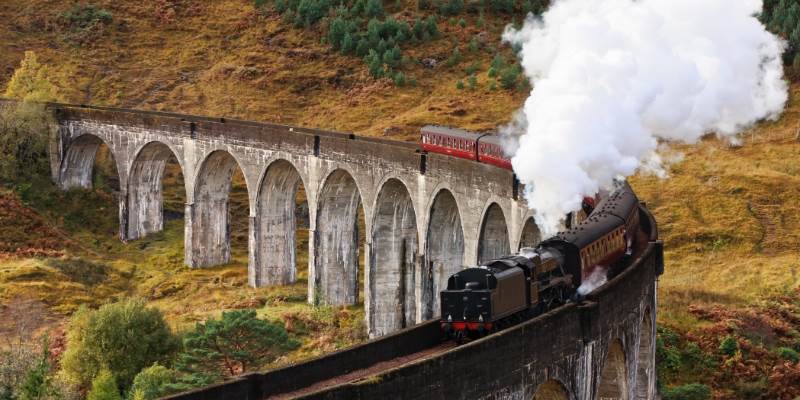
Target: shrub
472, 82
104, 387
374, 64
232, 345
692, 391
460, 85
508, 77
462, 23
492, 72
729, 346
26, 132
473, 45
84, 22
399, 79
124, 337
497, 62
788, 353
153, 382
472, 68
454, 58
432, 26
373, 9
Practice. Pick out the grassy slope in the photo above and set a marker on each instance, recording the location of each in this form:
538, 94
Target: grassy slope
728, 215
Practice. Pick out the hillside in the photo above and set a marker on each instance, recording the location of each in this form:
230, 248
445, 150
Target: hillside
729, 311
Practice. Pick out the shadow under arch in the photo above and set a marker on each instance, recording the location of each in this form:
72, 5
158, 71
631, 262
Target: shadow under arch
336, 241
551, 390
444, 252
613, 376
393, 253
493, 241
530, 236
211, 219
78, 165
146, 189
275, 252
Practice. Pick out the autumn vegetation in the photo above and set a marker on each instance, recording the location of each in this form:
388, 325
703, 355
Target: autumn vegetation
106, 320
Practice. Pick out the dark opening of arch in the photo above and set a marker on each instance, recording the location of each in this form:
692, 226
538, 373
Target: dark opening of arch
644, 366
613, 377
281, 227
156, 191
394, 250
551, 390
444, 250
221, 210
493, 242
338, 238
530, 234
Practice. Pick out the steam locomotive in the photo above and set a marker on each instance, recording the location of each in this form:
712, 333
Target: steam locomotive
501, 292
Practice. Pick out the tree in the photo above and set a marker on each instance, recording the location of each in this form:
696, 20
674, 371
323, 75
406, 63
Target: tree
38, 381
336, 32
26, 130
373, 9
123, 337
433, 27
472, 82
232, 345
348, 44
374, 63
30, 81
104, 387
153, 382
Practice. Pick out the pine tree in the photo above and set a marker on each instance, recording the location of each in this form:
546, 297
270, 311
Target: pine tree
373, 9
348, 44
336, 32
374, 64
419, 29
472, 82
234, 344
104, 387
433, 27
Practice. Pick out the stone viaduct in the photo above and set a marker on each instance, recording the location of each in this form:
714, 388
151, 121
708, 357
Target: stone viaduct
426, 215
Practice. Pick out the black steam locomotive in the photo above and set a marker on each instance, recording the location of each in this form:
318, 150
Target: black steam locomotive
501, 292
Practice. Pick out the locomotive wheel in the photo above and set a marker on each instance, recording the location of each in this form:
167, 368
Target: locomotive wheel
459, 337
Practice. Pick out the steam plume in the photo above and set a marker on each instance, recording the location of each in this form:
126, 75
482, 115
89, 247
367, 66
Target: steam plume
613, 77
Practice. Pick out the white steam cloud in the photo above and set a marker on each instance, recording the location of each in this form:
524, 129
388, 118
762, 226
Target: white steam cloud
612, 77
593, 281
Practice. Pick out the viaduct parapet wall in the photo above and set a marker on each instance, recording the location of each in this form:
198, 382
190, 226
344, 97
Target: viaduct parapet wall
426, 215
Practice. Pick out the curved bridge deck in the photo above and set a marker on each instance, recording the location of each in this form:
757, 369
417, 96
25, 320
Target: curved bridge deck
602, 347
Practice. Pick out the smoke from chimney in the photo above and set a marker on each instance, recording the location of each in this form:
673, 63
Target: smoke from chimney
613, 77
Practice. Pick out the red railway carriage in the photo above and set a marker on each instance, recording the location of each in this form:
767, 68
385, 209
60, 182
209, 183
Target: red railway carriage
483, 148
490, 151
451, 141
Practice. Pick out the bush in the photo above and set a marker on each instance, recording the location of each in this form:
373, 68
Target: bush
508, 77
432, 26
729, 346
460, 85
26, 132
399, 79
84, 22
692, 391
153, 382
124, 337
454, 58
472, 82
462, 23
104, 387
788, 353
232, 345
